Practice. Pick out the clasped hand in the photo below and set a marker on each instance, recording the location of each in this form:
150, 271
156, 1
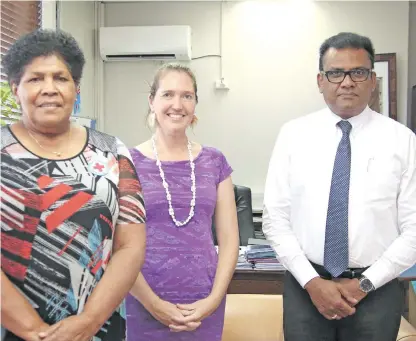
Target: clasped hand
335, 299
179, 317
74, 328
183, 317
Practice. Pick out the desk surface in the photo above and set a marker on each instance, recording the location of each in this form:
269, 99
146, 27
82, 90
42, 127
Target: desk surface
259, 271
409, 275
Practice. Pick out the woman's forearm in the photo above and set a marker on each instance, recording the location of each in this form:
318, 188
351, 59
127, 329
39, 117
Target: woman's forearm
227, 261
17, 314
144, 293
115, 284
226, 223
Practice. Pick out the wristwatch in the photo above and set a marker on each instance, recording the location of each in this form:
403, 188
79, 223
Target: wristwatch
365, 284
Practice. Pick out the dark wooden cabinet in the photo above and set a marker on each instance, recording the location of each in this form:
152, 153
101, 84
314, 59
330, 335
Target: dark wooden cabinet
257, 282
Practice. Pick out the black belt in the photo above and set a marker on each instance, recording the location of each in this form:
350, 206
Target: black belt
349, 273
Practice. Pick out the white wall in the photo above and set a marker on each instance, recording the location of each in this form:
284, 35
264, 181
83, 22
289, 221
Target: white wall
48, 14
77, 18
270, 60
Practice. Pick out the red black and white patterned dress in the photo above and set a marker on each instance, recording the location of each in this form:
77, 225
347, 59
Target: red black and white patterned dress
57, 223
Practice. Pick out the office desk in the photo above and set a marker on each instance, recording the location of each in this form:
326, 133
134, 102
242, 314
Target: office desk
251, 281
269, 282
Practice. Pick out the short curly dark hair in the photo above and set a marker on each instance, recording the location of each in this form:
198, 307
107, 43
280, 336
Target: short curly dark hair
42, 42
345, 40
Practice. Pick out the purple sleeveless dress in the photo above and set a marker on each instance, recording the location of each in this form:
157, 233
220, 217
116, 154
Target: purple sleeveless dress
180, 262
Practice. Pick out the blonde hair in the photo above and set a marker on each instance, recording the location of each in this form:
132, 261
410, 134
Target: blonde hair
164, 69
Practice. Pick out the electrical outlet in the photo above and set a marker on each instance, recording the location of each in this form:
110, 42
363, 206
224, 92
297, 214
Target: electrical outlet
220, 84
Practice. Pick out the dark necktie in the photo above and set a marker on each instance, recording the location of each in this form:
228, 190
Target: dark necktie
336, 234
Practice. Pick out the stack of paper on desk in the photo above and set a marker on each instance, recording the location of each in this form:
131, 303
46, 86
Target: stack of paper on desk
263, 257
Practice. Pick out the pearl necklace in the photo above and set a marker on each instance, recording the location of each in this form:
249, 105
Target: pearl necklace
166, 186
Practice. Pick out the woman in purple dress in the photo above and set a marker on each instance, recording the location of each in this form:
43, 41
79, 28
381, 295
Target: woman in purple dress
180, 293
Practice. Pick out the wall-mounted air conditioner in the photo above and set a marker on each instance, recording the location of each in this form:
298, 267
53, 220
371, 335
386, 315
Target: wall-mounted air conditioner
134, 43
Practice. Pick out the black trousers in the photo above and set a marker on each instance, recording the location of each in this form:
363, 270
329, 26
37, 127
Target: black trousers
377, 316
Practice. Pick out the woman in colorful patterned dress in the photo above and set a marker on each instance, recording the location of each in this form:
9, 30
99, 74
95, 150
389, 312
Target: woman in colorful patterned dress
180, 293
72, 215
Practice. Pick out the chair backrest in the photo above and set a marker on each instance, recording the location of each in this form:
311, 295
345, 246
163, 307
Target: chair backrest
255, 317
250, 317
242, 196
406, 332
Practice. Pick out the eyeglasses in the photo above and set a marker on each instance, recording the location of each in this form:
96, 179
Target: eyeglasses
356, 75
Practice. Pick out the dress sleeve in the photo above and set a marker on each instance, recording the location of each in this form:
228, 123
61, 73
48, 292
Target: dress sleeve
130, 196
225, 168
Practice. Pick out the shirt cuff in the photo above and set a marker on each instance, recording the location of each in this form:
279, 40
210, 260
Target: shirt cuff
376, 273
302, 270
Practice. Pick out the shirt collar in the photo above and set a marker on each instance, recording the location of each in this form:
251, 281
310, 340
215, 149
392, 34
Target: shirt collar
357, 121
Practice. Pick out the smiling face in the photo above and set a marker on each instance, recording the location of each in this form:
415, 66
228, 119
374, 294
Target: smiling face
46, 93
347, 98
174, 102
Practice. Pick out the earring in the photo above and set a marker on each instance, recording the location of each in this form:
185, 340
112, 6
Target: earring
194, 120
151, 119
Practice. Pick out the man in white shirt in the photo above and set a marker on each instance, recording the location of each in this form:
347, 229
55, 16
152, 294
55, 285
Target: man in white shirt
340, 206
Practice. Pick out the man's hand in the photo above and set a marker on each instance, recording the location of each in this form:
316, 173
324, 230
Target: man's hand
350, 290
74, 328
326, 297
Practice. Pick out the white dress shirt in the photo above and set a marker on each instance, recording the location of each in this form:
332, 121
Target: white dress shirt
382, 196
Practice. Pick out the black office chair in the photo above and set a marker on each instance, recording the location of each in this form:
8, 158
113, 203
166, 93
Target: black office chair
242, 196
